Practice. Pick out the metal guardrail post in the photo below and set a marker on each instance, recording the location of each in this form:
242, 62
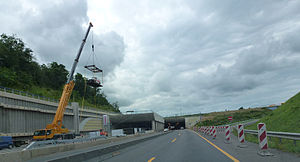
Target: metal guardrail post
279, 140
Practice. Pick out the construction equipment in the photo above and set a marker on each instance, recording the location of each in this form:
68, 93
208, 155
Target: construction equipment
56, 129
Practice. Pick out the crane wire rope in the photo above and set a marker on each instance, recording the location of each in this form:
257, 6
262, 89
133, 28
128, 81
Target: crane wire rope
85, 83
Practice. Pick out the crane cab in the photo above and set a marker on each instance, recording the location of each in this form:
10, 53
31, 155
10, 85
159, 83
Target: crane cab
47, 134
43, 134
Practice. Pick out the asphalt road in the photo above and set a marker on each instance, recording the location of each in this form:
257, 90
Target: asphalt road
180, 145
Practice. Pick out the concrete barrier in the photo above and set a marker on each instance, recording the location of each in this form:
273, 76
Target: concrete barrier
26, 155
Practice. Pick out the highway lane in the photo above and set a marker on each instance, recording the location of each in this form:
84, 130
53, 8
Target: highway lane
179, 145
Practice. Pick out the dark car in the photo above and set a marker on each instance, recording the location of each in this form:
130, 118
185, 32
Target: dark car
6, 142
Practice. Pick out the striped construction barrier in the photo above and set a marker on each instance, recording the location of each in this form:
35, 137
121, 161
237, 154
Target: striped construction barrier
262, 136
214, 132
227, 134
241, 136
211, 130
208, 130
263, 140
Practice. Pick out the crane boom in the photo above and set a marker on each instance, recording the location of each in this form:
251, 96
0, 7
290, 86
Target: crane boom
56, 127
79, 53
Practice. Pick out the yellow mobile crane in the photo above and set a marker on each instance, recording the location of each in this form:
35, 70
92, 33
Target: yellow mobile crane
56, 129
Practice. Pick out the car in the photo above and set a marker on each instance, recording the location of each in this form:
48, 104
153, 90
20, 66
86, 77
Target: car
6, 142
181, 128
166, 129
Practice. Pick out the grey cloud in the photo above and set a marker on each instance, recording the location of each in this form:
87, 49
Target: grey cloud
240, 41
109, 49
189, 55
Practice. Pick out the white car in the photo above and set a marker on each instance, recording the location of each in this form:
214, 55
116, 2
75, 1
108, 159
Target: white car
166, 130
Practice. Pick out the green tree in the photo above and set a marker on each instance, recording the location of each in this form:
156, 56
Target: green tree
16, 57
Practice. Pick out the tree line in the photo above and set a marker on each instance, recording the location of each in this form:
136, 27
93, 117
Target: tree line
19, 70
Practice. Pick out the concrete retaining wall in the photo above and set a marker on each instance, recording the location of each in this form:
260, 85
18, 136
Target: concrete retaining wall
21, 121
21, 115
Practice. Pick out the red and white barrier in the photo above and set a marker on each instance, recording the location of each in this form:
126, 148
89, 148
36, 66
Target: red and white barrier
214, 132
262, 136
227, 134
263, 140
208, 130
241, 135
211, 130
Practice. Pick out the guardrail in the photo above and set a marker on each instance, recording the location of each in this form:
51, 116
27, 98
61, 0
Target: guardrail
27, 94
285, 135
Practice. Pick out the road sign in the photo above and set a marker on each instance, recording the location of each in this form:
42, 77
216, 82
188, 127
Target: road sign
229, 118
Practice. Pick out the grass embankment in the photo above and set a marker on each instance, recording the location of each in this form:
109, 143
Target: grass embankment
221, 118
284, 119
46, 92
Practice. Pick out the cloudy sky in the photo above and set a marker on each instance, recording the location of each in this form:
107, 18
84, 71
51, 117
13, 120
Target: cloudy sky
171, 56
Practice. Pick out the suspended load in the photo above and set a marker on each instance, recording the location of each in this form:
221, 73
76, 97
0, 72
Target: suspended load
94, 82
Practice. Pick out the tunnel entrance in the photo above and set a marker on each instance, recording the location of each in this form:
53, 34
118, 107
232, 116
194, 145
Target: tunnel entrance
174, 122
